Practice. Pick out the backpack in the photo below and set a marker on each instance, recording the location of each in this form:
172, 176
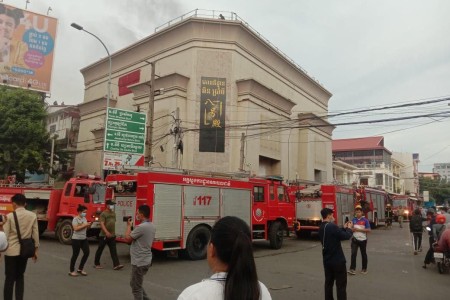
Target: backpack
416, 224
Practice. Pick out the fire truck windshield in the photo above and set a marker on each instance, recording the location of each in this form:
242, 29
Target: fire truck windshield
397, 203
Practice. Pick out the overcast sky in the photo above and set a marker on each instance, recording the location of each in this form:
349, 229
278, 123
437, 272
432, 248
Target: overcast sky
366, 53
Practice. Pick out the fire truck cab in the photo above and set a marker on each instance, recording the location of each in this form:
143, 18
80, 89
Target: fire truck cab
184, 207
55, 208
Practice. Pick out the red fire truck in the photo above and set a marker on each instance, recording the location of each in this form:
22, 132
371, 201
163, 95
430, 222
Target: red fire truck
55, 208
407, 203
184, 207
342, 199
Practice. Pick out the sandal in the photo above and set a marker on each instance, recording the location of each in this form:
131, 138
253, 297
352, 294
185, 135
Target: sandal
73, 274
118, 267
83, 273
98, 267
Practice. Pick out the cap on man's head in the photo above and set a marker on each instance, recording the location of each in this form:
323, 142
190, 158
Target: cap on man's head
326, 212
358, 207
110, 202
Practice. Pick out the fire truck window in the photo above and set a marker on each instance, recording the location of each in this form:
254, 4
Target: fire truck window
68, 189
271, 193
99, 193
258, 194
80, 190
280, 190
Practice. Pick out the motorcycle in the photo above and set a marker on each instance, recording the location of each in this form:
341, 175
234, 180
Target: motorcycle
442, 260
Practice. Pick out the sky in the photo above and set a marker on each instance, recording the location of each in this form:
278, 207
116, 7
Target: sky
368, 54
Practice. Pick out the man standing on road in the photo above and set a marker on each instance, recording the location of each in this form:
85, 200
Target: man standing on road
361, 227
108, 236
15, 265
141, 239
415, 227
333, 257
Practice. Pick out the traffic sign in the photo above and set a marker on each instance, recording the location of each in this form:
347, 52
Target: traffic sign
125, 131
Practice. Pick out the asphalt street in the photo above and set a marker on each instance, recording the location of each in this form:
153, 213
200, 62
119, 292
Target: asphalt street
293, 272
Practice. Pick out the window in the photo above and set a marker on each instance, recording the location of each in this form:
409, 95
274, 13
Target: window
258, 194
52, 128
280, 190
80, 190
68, 189
271, 192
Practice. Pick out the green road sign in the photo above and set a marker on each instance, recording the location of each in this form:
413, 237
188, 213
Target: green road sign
125, 131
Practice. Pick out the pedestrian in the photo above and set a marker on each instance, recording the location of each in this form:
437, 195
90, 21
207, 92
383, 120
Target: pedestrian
401, 211
361, 227
388, 215
79, 241
334, 262
444, 242
141, 239
230, 258
108, 236
416, 228
15, 265
431, 221
3, 238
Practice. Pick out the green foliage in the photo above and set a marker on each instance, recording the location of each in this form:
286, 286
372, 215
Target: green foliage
23, 136
439, 189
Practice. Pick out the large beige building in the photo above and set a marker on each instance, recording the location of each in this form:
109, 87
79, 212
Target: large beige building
226, 80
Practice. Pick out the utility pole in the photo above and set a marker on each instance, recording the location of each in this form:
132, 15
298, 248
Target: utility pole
241, 162
150, 114
177, 133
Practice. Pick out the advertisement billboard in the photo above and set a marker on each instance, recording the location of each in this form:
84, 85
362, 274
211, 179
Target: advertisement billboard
212, 114
27, 42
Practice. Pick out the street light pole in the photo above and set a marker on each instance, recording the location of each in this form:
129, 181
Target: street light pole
79, 27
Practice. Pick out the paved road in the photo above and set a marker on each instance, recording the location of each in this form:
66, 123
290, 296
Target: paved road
294, 272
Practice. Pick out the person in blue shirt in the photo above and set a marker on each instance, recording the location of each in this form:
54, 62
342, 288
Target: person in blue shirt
334, 262
361, 227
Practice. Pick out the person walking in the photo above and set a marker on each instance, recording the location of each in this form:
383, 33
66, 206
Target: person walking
230, 258
431, 221
141, 239
79, 241
416, 228
334, 262
15, 265
108, 236
361, 227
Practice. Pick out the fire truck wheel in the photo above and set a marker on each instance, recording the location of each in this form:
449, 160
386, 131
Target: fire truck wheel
197, 243
65, 231
276, 235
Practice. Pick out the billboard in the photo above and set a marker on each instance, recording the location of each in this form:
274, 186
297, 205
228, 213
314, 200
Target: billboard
212, 114
27, 42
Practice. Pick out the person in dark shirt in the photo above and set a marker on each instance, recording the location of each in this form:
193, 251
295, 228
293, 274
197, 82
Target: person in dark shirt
432, 220
334, 262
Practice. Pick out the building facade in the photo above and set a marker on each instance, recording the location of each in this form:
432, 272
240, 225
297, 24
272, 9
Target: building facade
443, 169
243, 104
63, 123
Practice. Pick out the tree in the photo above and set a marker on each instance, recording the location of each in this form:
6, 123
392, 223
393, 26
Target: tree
23, 136
439, 189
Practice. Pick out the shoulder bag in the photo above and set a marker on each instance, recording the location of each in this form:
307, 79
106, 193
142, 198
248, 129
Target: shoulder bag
27, 247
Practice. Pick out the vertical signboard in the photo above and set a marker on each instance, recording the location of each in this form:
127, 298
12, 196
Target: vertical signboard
212, 114
27, 42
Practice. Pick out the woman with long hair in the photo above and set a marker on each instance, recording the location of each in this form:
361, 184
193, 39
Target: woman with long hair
230, 258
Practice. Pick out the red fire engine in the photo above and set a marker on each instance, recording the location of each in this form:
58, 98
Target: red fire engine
184, 207
55, 208
406, 202
342, 199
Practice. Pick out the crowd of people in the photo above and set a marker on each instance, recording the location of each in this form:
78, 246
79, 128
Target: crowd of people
229, 251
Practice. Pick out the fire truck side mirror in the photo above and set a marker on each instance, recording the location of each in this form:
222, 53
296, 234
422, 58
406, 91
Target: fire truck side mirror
298, 195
